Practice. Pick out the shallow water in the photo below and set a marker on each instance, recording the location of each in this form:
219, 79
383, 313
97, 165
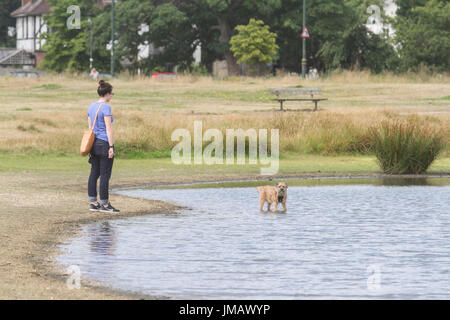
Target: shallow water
336, 241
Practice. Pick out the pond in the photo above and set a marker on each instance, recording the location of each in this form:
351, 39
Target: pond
340, 239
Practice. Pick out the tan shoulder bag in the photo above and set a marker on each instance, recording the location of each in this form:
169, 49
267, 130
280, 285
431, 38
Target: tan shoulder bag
88, 138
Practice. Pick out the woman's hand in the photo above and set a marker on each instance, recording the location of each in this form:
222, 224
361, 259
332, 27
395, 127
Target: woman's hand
109, 133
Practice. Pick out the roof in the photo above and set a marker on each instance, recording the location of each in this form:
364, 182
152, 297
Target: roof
40, 7
32, 8
15, 57
5, 52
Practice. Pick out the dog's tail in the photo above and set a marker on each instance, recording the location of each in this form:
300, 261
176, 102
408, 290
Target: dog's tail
259, 188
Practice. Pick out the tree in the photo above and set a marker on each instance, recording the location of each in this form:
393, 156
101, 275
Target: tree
67, 49
254, 44
216, 20
6, 7
129, 16
346, 42
172, 30
405, 6
423, 36
169, 30
339, 37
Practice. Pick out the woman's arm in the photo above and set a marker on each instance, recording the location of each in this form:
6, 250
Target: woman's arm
89, 122
109, 133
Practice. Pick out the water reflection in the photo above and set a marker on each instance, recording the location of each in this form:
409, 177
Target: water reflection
324, 181
417, 181
102, 240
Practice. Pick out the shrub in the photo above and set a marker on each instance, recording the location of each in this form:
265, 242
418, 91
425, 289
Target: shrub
254, 43
406, 147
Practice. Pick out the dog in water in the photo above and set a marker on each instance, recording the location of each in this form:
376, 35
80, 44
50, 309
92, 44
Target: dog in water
273, 195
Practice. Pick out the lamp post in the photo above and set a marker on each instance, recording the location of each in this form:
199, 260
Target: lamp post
91, 60
112, 38
304, 42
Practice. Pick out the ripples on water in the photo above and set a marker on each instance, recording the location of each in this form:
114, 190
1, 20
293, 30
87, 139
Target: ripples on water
338, 242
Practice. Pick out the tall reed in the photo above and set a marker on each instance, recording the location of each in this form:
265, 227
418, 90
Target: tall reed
406, 147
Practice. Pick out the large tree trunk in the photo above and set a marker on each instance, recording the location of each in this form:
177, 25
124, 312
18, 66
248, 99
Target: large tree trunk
225, 36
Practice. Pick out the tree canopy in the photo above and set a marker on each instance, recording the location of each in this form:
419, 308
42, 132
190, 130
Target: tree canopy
254, 43
339, 35
423, 36
67, 48
6, 7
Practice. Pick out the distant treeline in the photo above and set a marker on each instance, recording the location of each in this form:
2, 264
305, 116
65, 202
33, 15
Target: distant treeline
339, 36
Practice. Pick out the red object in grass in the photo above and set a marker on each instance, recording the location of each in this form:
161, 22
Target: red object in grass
164, 75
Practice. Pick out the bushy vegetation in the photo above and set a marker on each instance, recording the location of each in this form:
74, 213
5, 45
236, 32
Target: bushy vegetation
254, 43
339, 36
423, 35
406, 147
6, 21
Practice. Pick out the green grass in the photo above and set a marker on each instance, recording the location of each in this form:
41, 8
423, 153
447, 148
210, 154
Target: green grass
50, 86
30, 128
290, 164
234, 95
140, 154
318, 181
46, 122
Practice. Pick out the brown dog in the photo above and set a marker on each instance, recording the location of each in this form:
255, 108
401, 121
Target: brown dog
273, 195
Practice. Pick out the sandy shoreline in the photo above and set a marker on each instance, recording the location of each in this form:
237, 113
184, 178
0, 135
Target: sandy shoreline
48, 247
31, 232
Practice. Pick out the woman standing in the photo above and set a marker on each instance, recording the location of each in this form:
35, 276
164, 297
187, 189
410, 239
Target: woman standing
101, 156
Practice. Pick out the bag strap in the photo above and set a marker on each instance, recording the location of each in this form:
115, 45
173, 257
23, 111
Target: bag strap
95, 119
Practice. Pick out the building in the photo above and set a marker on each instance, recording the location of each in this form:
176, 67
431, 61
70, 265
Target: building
29, 27
14, 58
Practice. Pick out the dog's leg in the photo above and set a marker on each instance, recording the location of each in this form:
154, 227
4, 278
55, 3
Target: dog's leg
275, 204
284, 206
261, 203
268, 207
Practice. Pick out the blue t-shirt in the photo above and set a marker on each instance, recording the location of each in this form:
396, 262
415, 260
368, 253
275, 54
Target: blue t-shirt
100, 127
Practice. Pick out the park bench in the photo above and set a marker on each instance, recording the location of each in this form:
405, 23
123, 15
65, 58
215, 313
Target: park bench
287, 94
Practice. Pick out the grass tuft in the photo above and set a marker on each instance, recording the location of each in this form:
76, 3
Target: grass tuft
50, 86
406, 147
30, 128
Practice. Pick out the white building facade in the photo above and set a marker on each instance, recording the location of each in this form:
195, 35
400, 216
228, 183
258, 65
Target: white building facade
30, 24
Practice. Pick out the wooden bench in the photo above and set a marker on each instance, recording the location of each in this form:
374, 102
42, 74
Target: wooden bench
282, 92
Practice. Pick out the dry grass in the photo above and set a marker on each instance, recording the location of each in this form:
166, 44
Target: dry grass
49, 114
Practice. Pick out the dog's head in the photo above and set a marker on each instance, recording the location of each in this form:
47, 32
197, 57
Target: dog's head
281, 187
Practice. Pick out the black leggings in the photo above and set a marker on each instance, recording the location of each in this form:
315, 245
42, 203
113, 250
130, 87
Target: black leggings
101, 167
